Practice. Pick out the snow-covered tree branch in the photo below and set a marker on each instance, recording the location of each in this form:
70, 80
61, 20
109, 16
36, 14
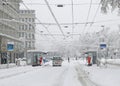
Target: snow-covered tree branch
110, 5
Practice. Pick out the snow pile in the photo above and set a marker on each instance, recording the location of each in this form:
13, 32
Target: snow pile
114, 61
103, 76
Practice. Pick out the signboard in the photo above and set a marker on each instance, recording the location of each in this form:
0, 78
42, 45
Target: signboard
10, 46
103, 46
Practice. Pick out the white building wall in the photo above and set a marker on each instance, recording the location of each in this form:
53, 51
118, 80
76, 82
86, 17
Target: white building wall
27, 31
9, 14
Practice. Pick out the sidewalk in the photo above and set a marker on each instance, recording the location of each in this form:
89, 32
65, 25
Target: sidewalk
109, 75
10, 72
3, 66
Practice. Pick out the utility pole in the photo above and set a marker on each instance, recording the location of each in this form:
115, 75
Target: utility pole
0, 48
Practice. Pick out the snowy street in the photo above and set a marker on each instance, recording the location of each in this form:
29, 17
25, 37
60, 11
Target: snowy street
75, 73
40, 76
59, 42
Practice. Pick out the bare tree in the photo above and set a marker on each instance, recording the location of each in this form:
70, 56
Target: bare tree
107, 4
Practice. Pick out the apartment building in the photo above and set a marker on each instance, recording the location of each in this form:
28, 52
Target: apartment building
27, 31
9, 26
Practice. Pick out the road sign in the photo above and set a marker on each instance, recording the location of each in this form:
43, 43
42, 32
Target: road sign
10, 46
102, 46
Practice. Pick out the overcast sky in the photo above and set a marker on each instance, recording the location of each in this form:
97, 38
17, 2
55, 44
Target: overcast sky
64, 15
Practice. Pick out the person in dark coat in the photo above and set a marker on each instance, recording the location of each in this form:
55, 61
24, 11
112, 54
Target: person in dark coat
41, 61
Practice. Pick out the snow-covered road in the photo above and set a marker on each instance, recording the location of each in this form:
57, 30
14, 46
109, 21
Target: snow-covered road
41, 76
75, 73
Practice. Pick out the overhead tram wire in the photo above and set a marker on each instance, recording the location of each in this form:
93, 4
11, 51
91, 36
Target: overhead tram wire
54, 17
41, 34
88, 16
60, 34
72, 17
46, 28
40, 22
62, 4
95, 14
62, 23
78, 23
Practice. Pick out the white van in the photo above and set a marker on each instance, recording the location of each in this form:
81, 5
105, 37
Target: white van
57, 61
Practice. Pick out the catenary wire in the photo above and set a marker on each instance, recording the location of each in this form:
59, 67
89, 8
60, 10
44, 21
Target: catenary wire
87, 16
72, 17
39, 21
54, 17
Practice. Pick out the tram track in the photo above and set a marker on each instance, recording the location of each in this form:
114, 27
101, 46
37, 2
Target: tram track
83, 77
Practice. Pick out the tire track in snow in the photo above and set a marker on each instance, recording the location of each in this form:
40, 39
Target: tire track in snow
14, 74
18, 73
83, 77
60, 79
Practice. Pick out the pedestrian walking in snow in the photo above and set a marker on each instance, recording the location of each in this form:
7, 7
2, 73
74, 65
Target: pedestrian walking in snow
41, 61
68, 59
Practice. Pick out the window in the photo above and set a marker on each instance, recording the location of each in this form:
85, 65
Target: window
30, 26
33, 44
22, 27
29, 36
19, 34
26, 19
22, 11
29, 19
22, 34
33, 19
22, 19
26, 44
25, 11
33, 37
25, 27
33, 28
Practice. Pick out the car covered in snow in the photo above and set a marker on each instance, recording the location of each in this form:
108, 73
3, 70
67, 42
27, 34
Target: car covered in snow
23, 61
57, 61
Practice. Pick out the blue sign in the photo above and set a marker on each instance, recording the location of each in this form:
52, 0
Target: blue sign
10, 47
103, 46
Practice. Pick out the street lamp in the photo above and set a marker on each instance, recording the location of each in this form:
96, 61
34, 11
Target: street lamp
59, 5
65, 26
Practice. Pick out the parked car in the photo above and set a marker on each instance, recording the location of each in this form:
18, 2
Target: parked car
57, 61
23, 62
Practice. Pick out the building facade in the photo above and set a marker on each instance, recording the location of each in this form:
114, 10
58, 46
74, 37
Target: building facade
9, 27
27, 31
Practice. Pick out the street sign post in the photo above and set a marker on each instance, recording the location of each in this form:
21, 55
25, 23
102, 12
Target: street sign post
10, 47
102, 46
103, 52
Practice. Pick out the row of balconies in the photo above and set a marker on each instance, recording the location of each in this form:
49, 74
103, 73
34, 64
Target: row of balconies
8, 31
5, 8
8, 23
26, 33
